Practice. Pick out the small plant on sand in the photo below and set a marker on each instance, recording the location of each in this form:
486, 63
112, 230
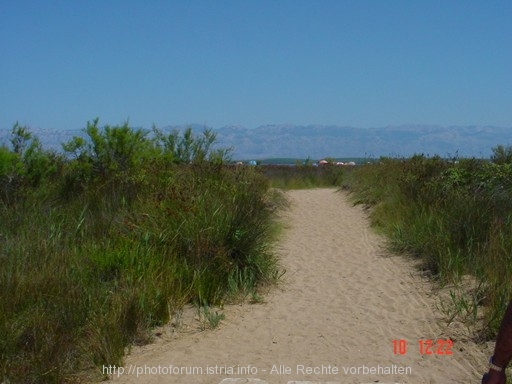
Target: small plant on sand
462, 306
256, 298
208, 318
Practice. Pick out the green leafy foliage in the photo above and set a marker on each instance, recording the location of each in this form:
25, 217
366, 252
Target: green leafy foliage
304, 175
184, 148
101, 244
26, 167
502, 154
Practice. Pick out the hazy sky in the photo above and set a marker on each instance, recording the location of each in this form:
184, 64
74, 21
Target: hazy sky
214, 62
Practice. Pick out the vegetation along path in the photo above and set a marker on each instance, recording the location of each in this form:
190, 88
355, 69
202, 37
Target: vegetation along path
346, 311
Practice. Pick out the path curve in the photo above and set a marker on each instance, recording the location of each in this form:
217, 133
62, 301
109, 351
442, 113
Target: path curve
343, 301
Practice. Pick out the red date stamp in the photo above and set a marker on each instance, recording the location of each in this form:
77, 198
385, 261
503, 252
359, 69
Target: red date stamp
440, 347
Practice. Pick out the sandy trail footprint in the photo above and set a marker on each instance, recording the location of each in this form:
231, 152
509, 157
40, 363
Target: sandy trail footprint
342, 303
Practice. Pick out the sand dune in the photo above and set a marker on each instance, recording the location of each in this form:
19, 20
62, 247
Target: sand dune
334, 317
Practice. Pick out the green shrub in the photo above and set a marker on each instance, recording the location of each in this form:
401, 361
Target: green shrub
303, 176
26, 167
114, 240
502, 154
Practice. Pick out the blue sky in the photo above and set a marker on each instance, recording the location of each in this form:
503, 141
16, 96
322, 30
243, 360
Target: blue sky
357, 63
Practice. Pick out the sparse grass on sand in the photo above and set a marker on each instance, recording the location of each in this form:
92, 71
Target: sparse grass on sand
456, 216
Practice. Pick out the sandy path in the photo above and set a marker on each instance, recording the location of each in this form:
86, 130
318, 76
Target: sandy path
342, 303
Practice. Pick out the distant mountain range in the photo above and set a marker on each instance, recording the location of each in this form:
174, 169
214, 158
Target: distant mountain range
318, 141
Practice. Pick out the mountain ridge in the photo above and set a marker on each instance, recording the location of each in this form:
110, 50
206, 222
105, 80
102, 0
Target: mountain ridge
316, 140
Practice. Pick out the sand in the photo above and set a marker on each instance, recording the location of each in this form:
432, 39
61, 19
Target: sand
333, 318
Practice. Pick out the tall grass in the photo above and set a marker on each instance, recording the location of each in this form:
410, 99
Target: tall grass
114, 239
454, 215
304, 176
